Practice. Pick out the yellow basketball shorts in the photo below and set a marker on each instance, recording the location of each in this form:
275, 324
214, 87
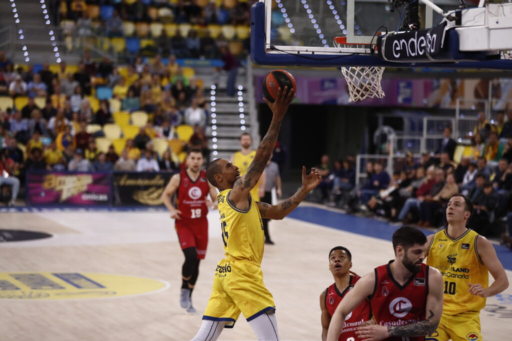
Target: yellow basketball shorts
460, 327
238, 287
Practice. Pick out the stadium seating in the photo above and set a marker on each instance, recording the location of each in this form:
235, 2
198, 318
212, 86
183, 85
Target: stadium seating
121, 118
176, 146
115, 105
130, 131
119, 145
103, 144
20, 102
161, 145
184, 132
93, 128
112, 131
6, 102
139, 118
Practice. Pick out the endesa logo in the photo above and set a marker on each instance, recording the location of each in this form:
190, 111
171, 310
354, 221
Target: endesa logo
400, 306
414, 46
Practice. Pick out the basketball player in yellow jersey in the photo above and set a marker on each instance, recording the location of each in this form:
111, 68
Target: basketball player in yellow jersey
242, 159
238, 282
465, 259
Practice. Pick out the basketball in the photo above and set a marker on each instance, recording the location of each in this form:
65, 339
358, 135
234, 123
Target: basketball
274, 80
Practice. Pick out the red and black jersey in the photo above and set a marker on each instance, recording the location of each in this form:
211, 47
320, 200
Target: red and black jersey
362, 313
396, 305
191, 197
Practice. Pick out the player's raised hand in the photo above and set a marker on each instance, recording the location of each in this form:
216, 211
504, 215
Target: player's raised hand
176, 214
372, 332
283, 100
477, 290
311, 180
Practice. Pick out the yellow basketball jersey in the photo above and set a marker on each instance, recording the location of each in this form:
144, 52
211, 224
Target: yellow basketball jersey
242, 231
460, 264
243, 162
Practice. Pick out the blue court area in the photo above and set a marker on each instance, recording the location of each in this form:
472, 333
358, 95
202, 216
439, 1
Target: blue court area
369, 227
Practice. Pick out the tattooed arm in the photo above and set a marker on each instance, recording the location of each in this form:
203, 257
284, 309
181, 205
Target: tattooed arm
281, 210
242, 187
433, 312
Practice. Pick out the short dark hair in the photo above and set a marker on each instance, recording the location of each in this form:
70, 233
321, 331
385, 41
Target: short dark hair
194, 150
407, 236
487, 184
449, 128
468, 205
342, 249
213, 169
480, 175
245, 134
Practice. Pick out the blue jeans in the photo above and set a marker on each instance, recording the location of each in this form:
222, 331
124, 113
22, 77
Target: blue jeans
366, 194
14, 182
410, 203
231, 86
342, 185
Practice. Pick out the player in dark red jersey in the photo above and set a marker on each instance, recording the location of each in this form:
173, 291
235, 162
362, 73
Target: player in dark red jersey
406, 296
192, 190
340, 263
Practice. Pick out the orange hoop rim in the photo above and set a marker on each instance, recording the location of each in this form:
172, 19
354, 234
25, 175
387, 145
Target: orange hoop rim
343, 41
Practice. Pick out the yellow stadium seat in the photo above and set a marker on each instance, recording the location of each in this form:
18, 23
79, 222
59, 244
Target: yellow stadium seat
228, 31
200, 30
95, 103
214, 31
139, 118
112, 131
146, 42
130, 131
40, 102
156, 29
183, 156
161, 145
165, 15
128, 28
171, 29
24, 67
200, 83
185, 28
121, 118
119, 145
243, 32
176, 146
94, 11
115, 105
236, 47
188, 72
142, 29
130, 2
55, 68
229, 3
153, 13
72, 69
20, 102
459, 151
103, 144
6, 102
118, 43
184, 132
93, 128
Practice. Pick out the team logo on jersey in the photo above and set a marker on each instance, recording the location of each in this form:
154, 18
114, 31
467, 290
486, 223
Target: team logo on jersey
472, 337
331, 300
194, 193
465, 246
400, 306
419, 282
220, 198
384, 282
385, 291
452, 259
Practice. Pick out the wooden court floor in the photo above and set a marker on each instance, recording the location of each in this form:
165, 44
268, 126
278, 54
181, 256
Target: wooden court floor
144, 245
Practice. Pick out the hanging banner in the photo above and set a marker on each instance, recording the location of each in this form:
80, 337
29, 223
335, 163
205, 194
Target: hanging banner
139, 189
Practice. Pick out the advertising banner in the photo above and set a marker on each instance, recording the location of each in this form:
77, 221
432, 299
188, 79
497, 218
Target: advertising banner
68, 189
139, 189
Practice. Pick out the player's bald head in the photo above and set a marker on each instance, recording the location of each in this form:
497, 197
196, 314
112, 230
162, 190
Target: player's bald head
214, 168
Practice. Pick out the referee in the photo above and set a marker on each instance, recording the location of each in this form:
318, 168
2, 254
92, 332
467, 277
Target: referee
272, 180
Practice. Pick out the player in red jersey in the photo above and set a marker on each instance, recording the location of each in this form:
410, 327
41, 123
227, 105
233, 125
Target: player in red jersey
192, 189
340, 263
406, 296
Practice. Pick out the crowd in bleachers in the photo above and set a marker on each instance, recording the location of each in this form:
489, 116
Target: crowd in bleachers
418, 190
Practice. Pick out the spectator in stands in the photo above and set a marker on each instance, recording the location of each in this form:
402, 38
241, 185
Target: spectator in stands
447, 145
468, 182
4, 61
194, 115
130, 102
179, 45
76, 99
193, 44
163, 43
10, 74
461, 170
507, 152
26, 111
166, 131
423, 190
147, 163
429, 206
84, 79
410, 164
180, 16
166, 164
125, 163
345, 178
105, 68
15, 153
114, 25
157, 67
68, 85
92, 151
477, 191
112, 155
18, 87
158, 117
7, 166
141, 139
103, 115
139, 65
406, 190
85, 111
52, 155
48, 111
493, 149
68, 154
146, 101
121, 89
136, 88
28, 75
499, 177
19, 127
500, 122
477, 147
58, 98
65, 139
114, 78
79, 164
139, 11
35, 161
427, 160
199, 141
379, 180
156, 90
208, 46
133, 151
483, 209
177, 89
238, 15
212, 13
483, 126
4, 120
77, 8
445, 164
34, 142
4, 87
506, 132
61, 73
231, 67
194, 13
47, 77
102, 165
482, 167
131, 75
75, 122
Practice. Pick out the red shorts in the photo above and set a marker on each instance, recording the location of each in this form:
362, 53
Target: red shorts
193, 233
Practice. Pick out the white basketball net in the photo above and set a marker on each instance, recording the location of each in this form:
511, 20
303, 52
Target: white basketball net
363, 82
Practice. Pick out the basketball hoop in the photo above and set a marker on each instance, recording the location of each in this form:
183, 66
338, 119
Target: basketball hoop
363, 81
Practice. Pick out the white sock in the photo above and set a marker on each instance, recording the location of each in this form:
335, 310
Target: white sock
265, 327
209, 331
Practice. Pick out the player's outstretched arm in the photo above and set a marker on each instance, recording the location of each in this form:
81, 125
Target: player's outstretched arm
281, 210
169, 191
433, 312
326, 318
279, 108
360, 292
213, 195
488, 256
